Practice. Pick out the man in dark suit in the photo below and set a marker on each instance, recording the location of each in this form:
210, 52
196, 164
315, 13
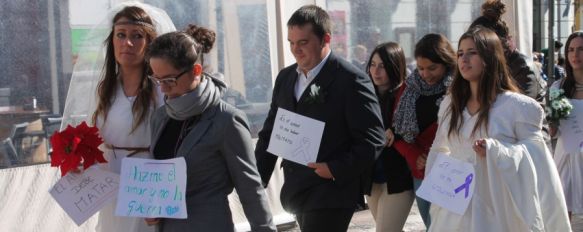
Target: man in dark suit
327, 88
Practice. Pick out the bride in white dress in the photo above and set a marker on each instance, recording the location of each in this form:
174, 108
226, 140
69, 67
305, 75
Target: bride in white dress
484, 121
569, 149
125, 96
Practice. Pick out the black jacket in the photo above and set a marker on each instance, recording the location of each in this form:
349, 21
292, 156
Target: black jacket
353, 137
394, 166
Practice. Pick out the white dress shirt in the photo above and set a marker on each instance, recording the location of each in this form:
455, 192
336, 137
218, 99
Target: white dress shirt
304, 80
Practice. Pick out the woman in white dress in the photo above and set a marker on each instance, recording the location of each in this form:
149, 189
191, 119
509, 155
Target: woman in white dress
569, 150
484, 121
125, 97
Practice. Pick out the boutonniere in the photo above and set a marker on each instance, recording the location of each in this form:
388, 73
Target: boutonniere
316, 95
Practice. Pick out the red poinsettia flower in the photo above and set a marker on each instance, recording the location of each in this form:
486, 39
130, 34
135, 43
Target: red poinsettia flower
75, 145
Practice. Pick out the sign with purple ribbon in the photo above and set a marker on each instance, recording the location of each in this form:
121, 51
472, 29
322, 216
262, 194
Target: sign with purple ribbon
450, 184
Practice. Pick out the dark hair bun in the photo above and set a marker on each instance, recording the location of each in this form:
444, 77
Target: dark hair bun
493, 9
203, 36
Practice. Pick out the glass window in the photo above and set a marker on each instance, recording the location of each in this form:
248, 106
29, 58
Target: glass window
366, 23
41, 40
37, 62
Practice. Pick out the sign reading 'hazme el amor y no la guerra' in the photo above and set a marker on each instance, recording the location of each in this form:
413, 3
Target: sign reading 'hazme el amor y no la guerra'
152, 188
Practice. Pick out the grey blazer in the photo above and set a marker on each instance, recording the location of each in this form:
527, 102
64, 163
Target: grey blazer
219, 157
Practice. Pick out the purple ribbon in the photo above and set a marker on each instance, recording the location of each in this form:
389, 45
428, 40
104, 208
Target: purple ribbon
465, 185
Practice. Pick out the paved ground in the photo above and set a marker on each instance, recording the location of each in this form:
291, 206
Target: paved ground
362, 221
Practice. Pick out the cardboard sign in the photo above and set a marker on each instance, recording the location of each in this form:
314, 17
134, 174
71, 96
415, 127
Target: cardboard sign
152, 188
83, 194
295, 137
450, 184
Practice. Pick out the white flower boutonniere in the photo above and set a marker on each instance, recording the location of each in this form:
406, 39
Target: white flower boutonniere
316, 95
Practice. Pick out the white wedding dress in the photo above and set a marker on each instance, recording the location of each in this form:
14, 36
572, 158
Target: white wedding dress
517, 185
116, 131
569, 158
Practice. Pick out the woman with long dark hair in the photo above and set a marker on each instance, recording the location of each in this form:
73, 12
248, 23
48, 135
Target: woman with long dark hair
116, 95
569, 150
484, 121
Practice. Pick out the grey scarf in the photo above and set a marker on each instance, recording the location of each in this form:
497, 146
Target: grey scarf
405, 118
206, 94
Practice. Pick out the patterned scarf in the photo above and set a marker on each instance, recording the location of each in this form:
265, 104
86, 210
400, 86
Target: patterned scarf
405, 118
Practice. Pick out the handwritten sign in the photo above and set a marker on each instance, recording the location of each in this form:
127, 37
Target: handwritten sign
152, 188
83, 194
572, 131
450, 184
295, 137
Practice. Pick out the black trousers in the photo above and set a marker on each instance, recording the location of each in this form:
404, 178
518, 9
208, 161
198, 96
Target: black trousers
329, 220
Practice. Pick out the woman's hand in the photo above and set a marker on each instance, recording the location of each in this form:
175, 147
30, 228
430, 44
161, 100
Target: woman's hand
390, 137
152, 221
480, 147
421, 161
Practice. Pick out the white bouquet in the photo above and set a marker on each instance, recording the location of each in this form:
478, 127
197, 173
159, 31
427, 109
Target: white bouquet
558, 106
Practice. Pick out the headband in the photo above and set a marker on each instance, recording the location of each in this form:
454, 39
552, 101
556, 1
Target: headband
134, 22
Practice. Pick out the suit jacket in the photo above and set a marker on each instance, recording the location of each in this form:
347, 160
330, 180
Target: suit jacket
218, 153
353, 136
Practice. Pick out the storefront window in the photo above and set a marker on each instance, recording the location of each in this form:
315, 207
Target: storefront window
41, 43
362, 24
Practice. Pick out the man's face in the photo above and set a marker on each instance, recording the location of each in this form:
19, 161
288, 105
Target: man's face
306, 47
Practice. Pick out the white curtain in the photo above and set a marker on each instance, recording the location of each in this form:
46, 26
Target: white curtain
519, 18
26, 205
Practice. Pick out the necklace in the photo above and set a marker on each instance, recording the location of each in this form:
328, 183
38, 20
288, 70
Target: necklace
130, 98
184, 130
181, 135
